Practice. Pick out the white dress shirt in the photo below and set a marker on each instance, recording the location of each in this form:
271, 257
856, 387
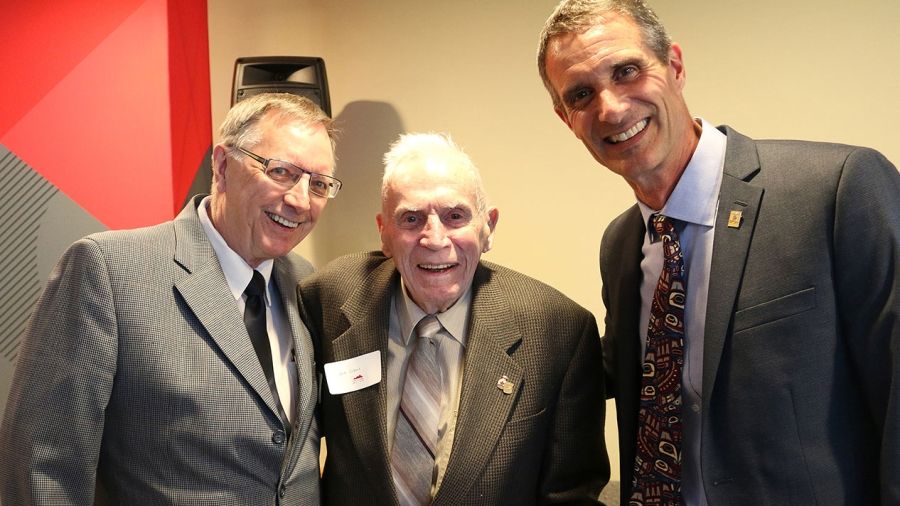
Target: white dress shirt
238, 274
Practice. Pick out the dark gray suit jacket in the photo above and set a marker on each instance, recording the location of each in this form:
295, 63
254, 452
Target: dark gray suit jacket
541, 444
801, 366
137, 372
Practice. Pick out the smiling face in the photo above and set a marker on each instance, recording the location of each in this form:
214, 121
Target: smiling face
431, 226
623, 103
258, 218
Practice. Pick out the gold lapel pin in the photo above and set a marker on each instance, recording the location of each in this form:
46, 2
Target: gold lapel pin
505, 385
734, 219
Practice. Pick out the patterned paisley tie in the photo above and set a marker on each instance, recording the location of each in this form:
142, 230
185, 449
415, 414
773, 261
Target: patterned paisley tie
657, 464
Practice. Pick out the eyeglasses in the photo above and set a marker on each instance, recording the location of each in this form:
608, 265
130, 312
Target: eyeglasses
287, 174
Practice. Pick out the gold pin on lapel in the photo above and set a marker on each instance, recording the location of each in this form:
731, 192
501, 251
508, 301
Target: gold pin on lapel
505, 385
734, 219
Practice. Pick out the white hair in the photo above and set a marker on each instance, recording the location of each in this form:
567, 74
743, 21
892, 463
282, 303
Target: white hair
419, 148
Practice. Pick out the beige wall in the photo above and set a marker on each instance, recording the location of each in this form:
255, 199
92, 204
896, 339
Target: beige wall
811, 69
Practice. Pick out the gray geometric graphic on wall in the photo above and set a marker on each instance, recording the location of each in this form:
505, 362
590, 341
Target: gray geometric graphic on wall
24, 199
37, 223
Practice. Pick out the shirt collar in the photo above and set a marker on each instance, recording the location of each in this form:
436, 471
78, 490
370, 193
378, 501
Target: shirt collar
695, 197
237, 272
453, 319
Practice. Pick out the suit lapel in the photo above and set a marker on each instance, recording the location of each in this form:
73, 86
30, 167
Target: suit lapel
730, 248
206, 294
622, 354
622, 344
285, 279
483, 409
368, 310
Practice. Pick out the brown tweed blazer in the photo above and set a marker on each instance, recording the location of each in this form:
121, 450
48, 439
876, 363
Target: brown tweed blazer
541, 444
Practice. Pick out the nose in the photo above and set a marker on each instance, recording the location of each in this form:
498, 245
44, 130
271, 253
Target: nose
298, 195
612, 106
434, 234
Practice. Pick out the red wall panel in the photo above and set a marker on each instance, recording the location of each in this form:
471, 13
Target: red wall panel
118, 113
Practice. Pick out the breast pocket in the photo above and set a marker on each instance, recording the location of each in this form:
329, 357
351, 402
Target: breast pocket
775, 309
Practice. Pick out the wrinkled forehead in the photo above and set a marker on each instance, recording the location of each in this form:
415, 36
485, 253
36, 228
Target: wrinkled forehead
431, 183
301, 143
430, 197
611, 29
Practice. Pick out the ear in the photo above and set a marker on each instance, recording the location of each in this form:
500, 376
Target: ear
562, 115
220, 163
385, 247
676, 63
493, 216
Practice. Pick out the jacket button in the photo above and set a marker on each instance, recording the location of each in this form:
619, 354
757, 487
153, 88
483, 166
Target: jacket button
281, 491
278, 437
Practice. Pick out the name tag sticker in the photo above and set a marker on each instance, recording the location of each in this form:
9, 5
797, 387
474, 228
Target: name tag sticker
354, 373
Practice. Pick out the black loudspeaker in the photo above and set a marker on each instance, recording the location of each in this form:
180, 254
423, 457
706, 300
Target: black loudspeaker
300, 75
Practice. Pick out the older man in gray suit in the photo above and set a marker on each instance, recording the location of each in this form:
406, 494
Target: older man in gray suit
753, 296
138, 377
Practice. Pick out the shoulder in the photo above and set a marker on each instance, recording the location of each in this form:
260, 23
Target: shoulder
347, 272
623, 236
359, 283
797, 169
352, 266
816, 155
102, 261
294, 266
830, 171
129, 247
523, 293
625, 224
551, 323
810, 160
114, 238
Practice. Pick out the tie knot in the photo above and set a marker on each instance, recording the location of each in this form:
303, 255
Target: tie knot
662, 227
428, 327
257, 285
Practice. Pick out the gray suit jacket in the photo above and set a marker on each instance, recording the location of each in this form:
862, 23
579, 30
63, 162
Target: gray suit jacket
137, 373
801, 398
541, 444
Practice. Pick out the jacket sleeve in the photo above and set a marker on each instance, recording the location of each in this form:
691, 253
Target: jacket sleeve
576, 464
867, 273
53, 425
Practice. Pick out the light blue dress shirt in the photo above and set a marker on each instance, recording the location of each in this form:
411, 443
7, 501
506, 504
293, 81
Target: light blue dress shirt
693, 203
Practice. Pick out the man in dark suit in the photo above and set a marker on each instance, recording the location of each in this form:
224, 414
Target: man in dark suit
518, 407
760, 275
138, 374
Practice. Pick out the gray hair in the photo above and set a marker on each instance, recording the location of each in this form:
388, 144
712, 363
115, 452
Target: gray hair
240, 128
419, 148
577, 16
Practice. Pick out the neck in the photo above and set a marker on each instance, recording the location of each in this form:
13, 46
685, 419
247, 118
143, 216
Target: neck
216, 212
655, 189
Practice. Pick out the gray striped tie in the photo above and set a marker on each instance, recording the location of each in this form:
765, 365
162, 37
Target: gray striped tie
415, 439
